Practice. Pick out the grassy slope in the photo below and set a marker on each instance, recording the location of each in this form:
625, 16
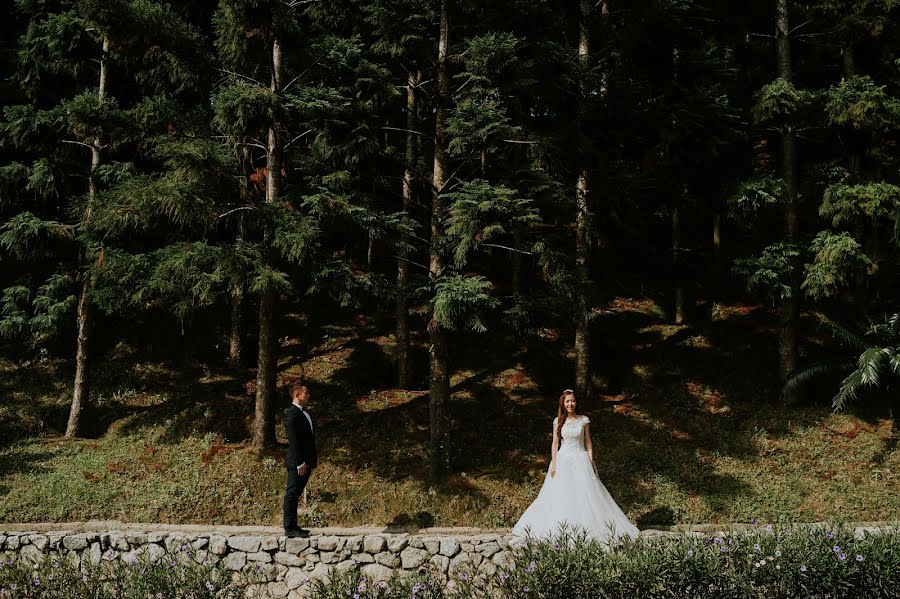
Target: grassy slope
689, 436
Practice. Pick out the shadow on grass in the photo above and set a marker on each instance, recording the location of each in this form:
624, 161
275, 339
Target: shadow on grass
15, 460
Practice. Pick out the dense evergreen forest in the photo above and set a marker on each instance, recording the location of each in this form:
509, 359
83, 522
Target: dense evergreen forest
213, 180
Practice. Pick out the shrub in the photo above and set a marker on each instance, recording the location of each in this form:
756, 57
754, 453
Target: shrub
771, 562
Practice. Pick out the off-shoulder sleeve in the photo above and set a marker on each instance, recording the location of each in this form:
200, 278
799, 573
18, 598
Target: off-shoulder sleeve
587, 420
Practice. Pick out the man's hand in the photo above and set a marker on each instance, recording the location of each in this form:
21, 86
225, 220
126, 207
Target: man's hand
552, 470
302, 469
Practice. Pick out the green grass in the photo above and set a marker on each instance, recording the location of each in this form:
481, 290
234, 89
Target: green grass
691, 432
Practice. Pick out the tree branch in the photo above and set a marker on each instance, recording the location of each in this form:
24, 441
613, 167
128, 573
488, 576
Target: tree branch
284, 147
224, 214
77, 143
419, 133
233, 74
503, 247
412, 262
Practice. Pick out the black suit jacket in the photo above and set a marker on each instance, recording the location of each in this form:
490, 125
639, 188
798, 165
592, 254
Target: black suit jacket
301, 440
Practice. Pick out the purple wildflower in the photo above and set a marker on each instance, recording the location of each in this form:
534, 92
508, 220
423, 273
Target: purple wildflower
754, 521
210, 587
778, 553
829, 535
723, 549
842, 556
690, 553
803, 568
768, 528
504, 576
525, 589
756, 547
717, 541
530, 568
859, 558
836, 549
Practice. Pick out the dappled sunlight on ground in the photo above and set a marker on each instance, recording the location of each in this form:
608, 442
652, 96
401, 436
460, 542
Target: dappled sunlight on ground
688, 429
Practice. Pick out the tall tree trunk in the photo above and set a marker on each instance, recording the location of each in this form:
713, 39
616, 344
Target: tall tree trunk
85, 315
680, 310
235, 343
680, 315
267, 358
790, 314
848, 59
404, 375
236, 338
717, 241
438, 363
582, 241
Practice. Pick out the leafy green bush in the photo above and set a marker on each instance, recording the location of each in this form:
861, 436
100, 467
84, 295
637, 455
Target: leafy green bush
356, 585
768, 562
784, 562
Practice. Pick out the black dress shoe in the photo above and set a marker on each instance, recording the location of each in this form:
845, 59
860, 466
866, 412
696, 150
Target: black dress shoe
296, 532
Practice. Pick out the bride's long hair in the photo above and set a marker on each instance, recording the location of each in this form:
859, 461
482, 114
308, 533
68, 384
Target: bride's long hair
562, 414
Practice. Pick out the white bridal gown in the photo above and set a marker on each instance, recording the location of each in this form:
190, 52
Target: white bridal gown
575, 496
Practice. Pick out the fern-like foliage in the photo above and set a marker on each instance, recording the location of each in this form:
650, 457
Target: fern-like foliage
755, 196
26, 236
859, 103
54, 304
476, 123
769, 274
838, 257
460, 301
14, 313
779, 102
842, 204
479, 211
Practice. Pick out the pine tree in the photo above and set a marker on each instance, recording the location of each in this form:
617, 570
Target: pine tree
73, 46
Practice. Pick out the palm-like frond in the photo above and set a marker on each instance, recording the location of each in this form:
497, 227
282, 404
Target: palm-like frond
867, 374
894, 325
894, 361
809, 374
844, 335
849, 388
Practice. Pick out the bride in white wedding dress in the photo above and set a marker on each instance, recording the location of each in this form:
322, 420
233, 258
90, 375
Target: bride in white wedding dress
572, 494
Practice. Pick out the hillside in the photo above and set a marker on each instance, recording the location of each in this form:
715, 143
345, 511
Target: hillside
691, 432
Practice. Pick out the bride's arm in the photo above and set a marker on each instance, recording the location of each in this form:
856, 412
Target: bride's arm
553, 451
588, 446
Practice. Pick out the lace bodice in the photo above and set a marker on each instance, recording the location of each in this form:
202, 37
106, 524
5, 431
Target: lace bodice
573, 433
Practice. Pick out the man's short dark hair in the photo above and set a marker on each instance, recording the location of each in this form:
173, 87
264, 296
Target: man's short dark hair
297, 385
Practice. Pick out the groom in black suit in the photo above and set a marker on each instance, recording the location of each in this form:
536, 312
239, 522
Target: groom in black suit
301, 456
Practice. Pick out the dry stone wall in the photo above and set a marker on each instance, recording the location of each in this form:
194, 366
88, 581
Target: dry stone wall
280, 566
